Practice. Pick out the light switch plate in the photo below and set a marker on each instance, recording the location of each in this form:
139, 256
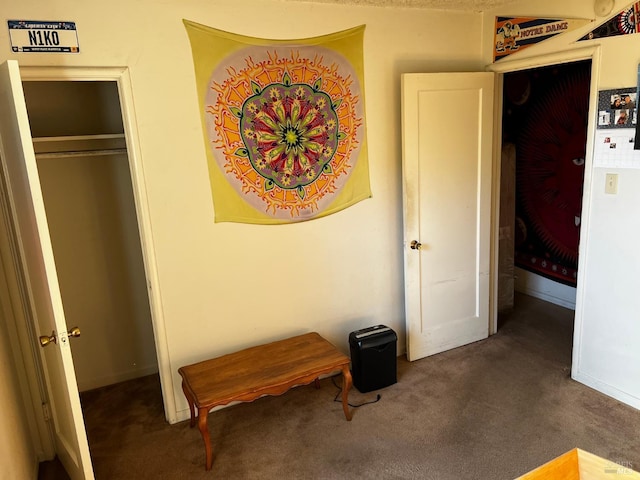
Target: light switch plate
611, 183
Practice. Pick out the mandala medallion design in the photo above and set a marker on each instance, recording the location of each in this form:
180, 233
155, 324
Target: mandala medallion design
285, 126
290, 133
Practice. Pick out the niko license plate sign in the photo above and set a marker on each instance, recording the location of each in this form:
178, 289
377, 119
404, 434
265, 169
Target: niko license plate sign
34, 36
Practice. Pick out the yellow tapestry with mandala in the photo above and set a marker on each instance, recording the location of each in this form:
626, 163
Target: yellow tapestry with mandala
284, 124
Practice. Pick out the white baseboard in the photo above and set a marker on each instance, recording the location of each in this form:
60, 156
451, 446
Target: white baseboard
545, 289
607, 389
90, 384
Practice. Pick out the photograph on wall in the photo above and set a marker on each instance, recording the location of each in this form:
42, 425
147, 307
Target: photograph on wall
624, 23
283, 123
617, 108
636, 145
514, 34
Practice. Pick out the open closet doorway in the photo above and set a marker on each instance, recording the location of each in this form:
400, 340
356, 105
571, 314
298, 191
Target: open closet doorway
83, 165
544, 132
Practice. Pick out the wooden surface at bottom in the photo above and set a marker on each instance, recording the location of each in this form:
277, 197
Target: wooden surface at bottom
578, 464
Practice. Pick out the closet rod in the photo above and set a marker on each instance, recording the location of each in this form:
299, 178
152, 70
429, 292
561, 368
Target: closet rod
82, 153
75, 138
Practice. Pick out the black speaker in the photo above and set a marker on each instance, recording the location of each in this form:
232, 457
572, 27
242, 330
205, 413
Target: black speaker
373, 357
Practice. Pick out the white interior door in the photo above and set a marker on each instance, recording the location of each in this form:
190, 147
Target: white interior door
447, 168
37, 263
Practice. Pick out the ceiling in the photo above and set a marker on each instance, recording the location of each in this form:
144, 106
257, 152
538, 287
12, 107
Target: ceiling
460, 5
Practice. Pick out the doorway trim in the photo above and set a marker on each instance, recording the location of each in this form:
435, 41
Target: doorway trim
122, 77
593, 54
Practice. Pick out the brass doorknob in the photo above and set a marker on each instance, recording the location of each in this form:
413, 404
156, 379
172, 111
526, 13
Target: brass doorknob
415, 245
46, 340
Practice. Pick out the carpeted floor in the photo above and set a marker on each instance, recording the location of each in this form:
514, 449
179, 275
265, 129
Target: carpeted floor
494, 409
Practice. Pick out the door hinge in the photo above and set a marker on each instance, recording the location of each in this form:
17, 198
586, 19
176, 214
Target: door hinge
45, 412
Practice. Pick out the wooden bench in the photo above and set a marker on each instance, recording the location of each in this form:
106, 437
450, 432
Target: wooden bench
269, 369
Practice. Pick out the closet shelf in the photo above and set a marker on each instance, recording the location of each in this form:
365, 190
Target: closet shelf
82, 153
57, 147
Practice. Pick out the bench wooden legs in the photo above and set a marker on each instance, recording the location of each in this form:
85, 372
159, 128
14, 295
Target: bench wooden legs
203, 415
346, 386
191, 402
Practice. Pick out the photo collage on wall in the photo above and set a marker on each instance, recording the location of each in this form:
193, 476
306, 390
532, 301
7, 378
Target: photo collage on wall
636, 145
615, 140
617, 108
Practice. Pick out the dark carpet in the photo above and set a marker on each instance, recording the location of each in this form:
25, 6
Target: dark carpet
492, 410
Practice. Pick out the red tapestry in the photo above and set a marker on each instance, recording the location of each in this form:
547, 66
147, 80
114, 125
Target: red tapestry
549, 127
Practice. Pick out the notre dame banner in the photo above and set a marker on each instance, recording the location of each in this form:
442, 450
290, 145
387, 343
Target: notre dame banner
283, 122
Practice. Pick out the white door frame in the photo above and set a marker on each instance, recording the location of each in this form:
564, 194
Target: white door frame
121, 76
507, 66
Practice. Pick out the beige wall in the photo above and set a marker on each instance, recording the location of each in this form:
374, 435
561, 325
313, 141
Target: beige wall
18, 458
226, 286
212, 276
